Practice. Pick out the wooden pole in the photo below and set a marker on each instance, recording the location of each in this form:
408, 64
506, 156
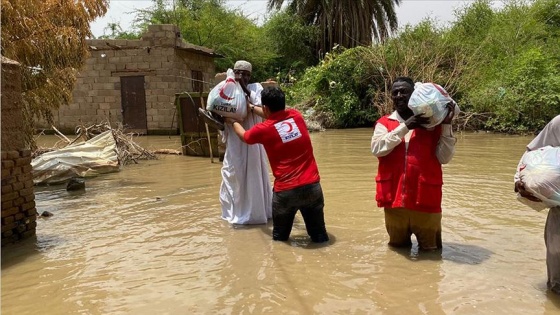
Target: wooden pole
207, 132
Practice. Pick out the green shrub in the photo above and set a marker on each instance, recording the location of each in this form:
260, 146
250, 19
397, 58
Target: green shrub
513, 72
340, 88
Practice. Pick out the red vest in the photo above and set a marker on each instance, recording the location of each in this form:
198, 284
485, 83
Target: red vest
411, 178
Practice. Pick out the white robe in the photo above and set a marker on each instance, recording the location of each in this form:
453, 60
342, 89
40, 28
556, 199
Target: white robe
245, 192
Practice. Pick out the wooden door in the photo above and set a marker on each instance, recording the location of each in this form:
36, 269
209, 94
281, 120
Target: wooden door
133, 96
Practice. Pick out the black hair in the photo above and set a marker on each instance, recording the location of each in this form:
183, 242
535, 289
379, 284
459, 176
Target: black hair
404, 79
273, 98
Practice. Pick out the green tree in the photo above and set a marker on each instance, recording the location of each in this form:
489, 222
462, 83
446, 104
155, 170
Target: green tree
501, 65
208, 23
513, 74
346, 23
293, 43
47, 37
340, 89
351, 88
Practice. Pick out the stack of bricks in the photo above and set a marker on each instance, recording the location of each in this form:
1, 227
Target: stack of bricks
19, 215
162, 35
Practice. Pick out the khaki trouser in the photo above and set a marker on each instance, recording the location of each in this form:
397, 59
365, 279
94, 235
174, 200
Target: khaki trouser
401, 223
552, 241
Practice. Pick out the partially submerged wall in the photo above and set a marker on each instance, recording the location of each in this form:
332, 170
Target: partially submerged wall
19, 214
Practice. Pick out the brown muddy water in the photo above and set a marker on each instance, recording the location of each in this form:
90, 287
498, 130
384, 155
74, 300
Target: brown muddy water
149, 240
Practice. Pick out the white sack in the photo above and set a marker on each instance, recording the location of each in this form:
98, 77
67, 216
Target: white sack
540, 173
93, 157
535, 205
228, 99
430, 99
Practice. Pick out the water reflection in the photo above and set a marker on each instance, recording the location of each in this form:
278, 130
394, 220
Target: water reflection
149, 239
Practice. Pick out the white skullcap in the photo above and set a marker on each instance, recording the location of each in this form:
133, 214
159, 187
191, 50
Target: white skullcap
243, 65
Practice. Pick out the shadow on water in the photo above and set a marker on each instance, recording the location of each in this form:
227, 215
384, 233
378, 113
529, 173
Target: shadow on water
296, 239
14, 254
554, 298
455, 252
465, 253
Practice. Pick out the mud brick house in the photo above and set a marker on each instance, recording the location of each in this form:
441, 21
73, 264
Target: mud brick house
134, 82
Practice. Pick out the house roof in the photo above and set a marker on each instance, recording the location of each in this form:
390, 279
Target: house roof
110, 44
182, 45
157, 35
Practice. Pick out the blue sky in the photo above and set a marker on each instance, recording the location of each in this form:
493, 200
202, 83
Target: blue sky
409, 12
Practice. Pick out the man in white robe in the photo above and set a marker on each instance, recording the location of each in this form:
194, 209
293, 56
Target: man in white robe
245, 192
550, 135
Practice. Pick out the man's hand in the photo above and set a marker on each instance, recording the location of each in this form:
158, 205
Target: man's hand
451, 107
238, 129
520, 188
243, 82
416, 121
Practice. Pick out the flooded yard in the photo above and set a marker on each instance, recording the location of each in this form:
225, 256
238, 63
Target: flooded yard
149, 239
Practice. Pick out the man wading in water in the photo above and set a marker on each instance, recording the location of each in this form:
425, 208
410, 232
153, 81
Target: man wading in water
549, 136
245, 192
409, 178
297, 184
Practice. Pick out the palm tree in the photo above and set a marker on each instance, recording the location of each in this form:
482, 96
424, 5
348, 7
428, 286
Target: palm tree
348, 23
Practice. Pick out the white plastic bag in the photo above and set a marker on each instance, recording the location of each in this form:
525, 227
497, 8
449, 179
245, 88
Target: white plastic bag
430, 99
535, 205
228, 99
540, 173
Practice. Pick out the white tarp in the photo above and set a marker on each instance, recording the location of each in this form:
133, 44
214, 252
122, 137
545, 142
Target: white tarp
91, 158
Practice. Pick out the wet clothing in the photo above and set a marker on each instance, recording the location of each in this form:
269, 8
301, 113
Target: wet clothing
552, 242
309, 200
245, 192
410, 178
288, 146
401, 223
550, 135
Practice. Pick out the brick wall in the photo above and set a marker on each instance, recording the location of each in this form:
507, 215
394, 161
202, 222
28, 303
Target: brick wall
161, 56
19, 214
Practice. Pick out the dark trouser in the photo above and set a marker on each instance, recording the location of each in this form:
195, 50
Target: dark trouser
552, 241
309, 200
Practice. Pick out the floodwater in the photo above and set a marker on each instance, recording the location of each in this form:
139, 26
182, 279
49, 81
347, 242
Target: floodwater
150, 240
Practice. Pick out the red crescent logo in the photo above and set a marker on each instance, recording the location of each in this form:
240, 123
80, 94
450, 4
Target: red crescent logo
290, 128
222, 94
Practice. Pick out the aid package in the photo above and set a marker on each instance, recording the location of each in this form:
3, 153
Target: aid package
227, 98
431, 100
540, 173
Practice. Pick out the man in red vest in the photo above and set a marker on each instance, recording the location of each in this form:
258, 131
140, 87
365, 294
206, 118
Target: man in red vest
409, 180
288, 146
